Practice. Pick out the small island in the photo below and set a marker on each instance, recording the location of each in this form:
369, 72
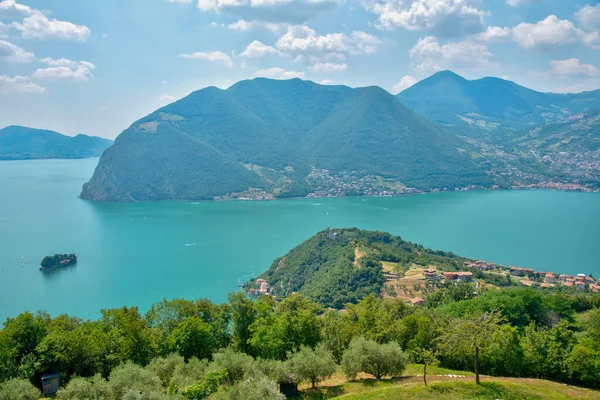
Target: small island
51, 263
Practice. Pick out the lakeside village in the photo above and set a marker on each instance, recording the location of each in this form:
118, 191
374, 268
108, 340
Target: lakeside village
418, 282
327, 184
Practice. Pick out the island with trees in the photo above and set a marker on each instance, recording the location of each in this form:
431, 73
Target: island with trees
51, 263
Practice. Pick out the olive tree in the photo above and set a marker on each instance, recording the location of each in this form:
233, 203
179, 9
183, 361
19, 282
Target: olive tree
19, 389
373, 358
311, 365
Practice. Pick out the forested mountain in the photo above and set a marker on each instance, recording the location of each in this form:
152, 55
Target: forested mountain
22, 143
490, 107
268, 136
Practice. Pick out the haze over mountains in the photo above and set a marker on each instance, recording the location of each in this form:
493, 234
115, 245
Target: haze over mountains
490, 107
22, 143
267, 138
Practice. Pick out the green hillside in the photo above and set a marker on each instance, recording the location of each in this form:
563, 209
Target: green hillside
267, 136
22, 143
340, 266
490, 107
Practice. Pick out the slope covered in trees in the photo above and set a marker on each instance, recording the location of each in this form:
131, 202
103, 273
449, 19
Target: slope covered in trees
268, 135
340, 266
21, 143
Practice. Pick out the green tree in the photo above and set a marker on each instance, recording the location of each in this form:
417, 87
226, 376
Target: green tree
129, 377
243, 315
373, 358
187, 374
254, 389
19, 389
129, 331
164, 367
425, 357
471, 336
95, 388
312, 365
192, 338
237, 365
208, 386
19, 339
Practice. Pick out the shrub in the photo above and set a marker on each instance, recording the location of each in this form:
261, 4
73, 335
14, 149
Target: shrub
19, 389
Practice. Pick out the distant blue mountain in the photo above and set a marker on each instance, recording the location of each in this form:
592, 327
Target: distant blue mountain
490, 106
268, 135
22, 143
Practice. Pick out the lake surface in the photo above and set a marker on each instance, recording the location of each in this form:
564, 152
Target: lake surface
136, 254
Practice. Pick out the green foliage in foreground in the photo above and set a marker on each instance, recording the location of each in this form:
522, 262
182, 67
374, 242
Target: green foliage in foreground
125, 354
194, 348
19, 389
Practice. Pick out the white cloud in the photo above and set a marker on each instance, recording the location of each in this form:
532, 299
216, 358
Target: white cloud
548, 33
406, 82
326, 82
304, 40
428, 55
11, 8
214, 56
328, 67
64, 69
38, 26
495, 34
19, 85
589, 16
572, 67
167, 98
515, 3
244, 25
257, 49
12, 53
272, 11
278, 73
443, 17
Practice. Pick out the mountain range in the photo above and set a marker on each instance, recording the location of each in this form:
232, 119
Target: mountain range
22, 143
490, 107
270, 137
263, 139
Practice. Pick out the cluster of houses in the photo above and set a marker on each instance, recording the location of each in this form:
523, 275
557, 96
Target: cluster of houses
431, 274
579, 282
262, 287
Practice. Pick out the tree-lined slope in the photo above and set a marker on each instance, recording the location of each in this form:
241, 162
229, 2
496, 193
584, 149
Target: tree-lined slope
340, 266
22, 143
268, 135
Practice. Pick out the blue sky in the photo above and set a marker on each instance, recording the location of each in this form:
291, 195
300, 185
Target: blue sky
95, 66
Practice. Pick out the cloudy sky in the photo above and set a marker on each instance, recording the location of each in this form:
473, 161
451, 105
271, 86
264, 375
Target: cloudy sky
95, 66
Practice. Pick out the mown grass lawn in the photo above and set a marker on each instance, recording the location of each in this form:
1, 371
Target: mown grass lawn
443, 384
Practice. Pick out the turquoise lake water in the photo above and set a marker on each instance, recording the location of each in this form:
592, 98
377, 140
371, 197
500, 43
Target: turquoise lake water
136, 254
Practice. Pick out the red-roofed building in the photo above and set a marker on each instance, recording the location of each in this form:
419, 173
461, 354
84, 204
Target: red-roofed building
417, 301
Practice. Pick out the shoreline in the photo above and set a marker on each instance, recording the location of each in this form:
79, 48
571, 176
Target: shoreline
430, 192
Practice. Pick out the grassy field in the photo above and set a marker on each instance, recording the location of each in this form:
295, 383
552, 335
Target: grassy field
443, 384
